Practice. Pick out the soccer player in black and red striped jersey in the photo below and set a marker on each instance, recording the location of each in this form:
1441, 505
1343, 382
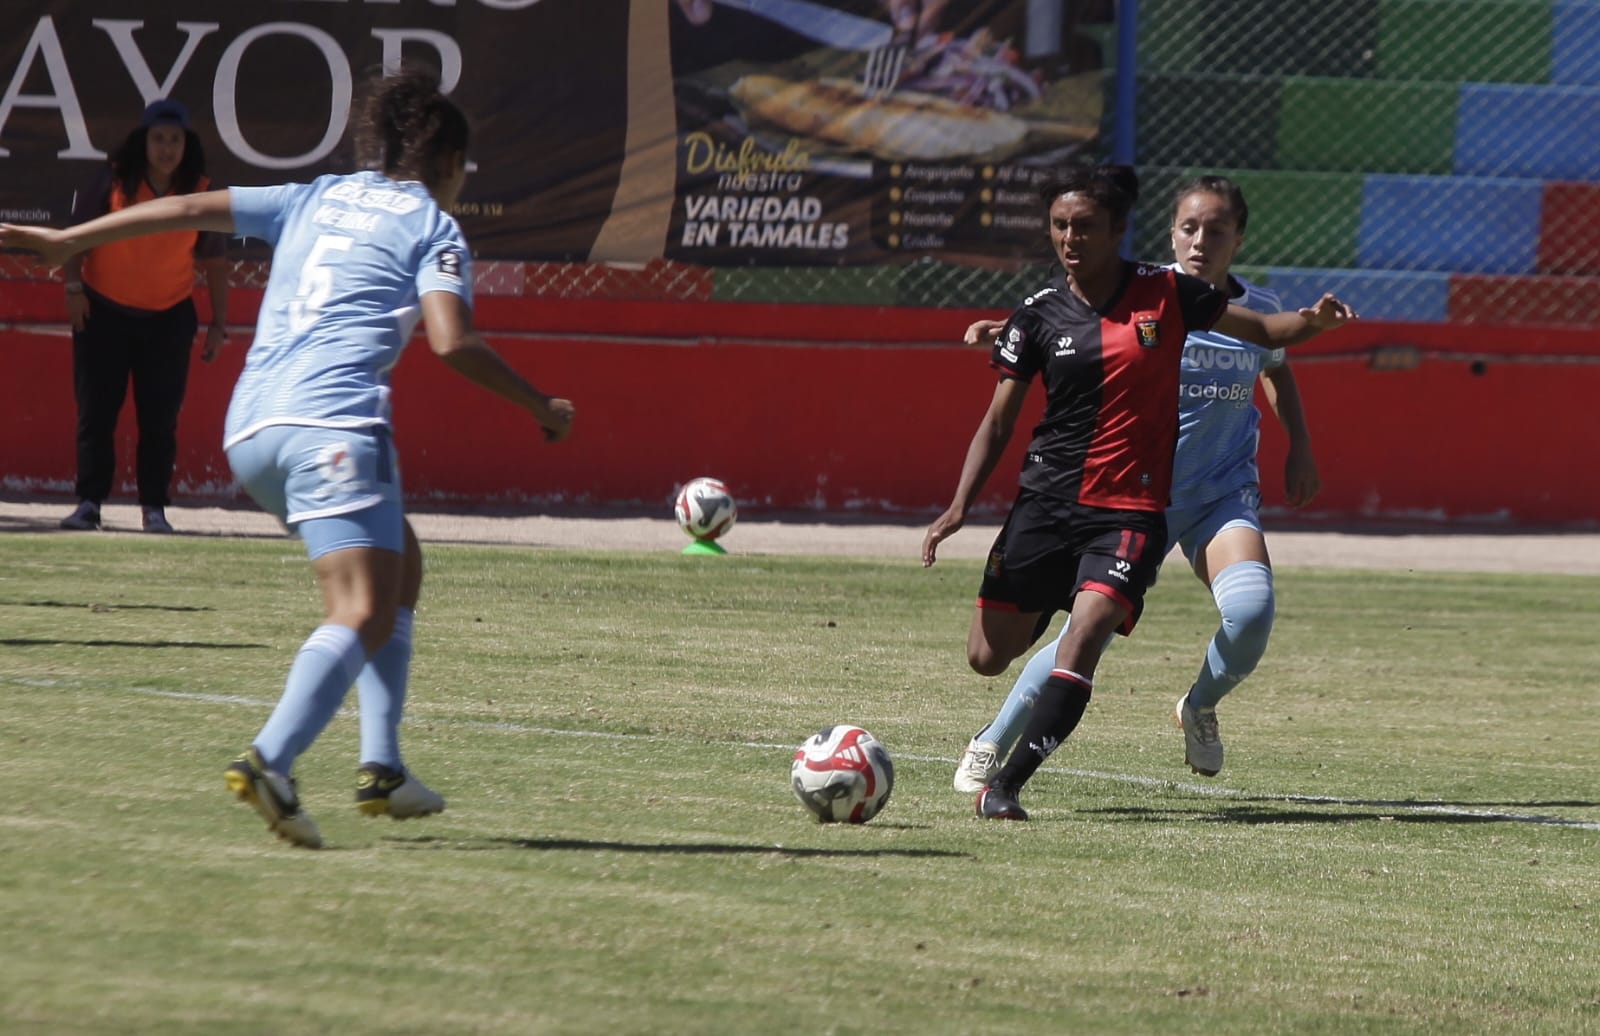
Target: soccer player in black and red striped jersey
1087, 531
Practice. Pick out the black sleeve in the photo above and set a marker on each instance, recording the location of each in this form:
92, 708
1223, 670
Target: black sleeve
1015, 351
1202, 303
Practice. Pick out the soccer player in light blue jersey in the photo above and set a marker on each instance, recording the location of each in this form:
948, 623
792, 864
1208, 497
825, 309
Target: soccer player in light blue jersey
1214, 514
357, 259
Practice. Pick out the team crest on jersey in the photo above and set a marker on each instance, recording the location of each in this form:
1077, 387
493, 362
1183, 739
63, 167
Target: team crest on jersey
1149, 329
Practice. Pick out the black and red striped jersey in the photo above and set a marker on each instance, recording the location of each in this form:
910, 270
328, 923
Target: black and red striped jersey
1110, 422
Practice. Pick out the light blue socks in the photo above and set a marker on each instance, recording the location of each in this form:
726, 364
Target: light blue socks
381, 692
1009, 723
321, 675
1244, 597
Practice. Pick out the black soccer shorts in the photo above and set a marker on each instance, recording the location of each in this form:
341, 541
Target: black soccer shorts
1050, 549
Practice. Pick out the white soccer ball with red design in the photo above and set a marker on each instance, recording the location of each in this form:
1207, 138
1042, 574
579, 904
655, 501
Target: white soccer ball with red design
705, 508
842, 774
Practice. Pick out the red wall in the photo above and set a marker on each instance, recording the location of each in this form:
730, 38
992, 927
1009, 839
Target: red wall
1494, 423
857, 409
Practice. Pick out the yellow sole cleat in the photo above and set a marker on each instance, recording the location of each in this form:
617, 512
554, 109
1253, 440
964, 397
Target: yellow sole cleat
273, 796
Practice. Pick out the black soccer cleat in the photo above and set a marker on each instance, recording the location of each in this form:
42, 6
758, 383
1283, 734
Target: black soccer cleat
274, 797
384, 791
998, 802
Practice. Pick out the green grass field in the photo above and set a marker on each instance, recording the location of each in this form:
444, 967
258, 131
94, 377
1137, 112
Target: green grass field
1406, 837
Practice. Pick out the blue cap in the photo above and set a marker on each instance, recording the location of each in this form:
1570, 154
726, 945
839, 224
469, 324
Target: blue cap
166, 110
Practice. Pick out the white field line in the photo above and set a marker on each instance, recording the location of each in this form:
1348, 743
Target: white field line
1216, 791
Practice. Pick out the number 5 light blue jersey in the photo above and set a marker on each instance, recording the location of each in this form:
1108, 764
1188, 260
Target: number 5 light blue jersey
1217, 419
352, 257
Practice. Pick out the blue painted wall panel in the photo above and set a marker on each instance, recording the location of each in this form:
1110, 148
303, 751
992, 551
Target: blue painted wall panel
1575, 43
1463, 224
1375, 294
1549, 132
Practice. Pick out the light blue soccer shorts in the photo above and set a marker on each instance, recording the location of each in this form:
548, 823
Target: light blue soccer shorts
1191, 528
334, 487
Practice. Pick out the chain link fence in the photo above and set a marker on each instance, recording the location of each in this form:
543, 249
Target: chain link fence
1429, 160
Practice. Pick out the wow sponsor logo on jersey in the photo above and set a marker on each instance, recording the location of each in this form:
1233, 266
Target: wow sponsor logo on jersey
1222, 358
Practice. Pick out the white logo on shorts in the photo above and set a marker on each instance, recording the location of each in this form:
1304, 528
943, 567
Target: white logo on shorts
336, 463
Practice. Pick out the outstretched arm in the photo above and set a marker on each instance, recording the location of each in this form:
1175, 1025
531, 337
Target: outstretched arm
453, 340
983, 453
1281, 330
983, 332
209, 210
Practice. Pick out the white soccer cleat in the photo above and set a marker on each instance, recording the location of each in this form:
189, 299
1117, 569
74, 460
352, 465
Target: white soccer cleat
1202, 743
978, 765
383, 791
274, 797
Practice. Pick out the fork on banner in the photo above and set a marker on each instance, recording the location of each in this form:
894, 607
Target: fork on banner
885, 64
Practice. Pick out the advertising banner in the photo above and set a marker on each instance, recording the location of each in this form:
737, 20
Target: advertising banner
816, 133
744, 132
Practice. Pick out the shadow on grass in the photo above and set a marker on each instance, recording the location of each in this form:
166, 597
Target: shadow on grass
105, 606
23, 523
1318, 800
666, 848
64, 642
1413, 813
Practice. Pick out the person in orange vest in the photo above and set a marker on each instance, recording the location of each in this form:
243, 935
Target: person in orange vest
131, 305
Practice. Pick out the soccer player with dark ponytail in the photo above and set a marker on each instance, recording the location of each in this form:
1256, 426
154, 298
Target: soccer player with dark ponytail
357, 258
